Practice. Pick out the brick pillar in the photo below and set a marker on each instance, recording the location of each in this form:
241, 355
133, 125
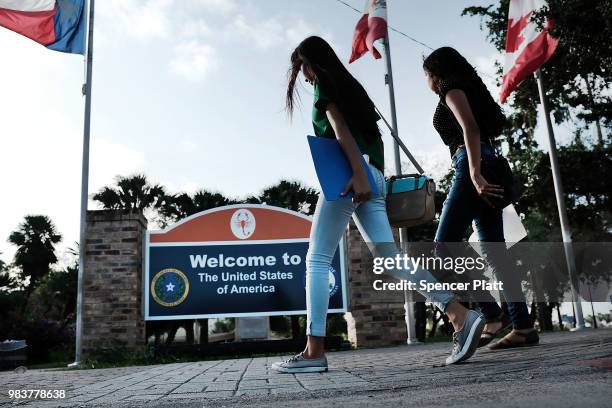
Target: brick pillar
376, 318
112, 282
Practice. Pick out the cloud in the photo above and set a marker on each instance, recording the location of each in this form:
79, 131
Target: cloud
187, 33
42, 119
109, 160
193, 60
436, 164
190, 187
139, 19
195, 29
216, 6
300, 29
179, 29
262, 34
188, 145
148, 20
273, 32
485, 65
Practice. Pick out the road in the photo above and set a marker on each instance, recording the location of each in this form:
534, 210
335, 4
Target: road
565, 370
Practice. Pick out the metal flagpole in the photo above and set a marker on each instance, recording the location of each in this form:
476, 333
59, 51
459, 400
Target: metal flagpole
84, 183
565, 229
408, 302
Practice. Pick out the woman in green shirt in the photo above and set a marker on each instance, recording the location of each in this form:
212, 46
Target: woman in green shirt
343, 110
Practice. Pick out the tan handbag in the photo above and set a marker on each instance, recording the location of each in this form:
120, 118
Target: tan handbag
410, 197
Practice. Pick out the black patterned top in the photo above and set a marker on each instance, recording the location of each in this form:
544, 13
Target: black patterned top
448, 127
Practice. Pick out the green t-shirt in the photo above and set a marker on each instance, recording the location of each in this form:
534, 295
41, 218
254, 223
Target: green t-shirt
322, 128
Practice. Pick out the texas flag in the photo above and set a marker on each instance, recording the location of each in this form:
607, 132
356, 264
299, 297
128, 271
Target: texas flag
371, 26
57, 24
527, 48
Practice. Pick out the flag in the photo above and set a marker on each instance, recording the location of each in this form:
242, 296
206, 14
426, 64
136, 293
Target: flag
371, 26
527, 48
57, 24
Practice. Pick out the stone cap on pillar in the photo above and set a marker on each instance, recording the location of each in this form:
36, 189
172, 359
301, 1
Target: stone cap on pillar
116, 215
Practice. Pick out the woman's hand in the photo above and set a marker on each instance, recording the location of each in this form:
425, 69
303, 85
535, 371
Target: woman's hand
361, 187
486, 190
359, 182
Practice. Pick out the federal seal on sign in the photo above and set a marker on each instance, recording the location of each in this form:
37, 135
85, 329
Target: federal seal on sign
169, 287
334, 280
242, 223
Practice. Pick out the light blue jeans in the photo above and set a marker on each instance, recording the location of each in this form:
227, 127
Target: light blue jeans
330, 221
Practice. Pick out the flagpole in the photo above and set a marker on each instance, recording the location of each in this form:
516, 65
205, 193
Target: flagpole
403, 237
84, 184
565, 229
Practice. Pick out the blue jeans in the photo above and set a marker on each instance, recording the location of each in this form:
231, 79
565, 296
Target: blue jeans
330, 221
462, 206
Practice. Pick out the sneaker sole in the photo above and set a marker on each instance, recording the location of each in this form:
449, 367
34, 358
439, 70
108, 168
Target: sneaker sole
471, 343
301, 369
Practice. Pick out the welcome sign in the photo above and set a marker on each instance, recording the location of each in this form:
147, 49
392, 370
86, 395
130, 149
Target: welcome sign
233, 261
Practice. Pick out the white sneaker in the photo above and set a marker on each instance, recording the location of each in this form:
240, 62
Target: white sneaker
300, 364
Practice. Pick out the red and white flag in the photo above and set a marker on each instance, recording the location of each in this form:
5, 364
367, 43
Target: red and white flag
371, 26
527, 48
57, 24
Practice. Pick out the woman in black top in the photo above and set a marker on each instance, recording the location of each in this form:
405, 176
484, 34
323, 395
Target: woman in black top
468, 120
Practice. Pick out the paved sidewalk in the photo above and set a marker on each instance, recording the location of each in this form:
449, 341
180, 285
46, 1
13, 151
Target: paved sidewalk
566, 369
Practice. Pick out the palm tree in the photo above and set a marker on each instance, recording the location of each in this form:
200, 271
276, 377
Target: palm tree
35, 239
7, 282
131, 193
179, 206
288, 194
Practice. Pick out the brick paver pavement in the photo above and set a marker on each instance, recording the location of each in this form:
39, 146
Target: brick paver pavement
350, 372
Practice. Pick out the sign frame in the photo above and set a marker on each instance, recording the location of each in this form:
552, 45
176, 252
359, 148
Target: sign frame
147, 244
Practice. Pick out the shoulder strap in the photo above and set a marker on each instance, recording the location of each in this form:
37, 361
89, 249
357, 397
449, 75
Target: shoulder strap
400, 143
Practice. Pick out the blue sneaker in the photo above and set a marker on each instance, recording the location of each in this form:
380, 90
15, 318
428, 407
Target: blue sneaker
465, 341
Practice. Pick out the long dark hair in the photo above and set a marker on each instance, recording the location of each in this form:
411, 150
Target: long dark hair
447, 65
333, 77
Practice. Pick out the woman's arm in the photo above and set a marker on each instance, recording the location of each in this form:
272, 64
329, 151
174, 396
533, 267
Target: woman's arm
459, 104
359, 182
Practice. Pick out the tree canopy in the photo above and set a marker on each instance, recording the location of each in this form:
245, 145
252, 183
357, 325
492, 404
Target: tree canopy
131, 193
579, 74
35, 239
578, 78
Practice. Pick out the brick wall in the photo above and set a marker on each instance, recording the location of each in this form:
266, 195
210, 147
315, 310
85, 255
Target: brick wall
112, 281
376, 318
112, 288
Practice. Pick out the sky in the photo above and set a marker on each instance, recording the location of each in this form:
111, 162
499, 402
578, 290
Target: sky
190, 93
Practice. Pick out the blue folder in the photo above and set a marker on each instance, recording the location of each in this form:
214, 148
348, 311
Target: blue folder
333, 168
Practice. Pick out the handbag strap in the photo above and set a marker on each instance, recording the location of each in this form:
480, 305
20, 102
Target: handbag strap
400, 143
415, 176
401, 176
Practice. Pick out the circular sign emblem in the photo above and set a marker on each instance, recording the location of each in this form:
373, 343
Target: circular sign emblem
169, 287
333, 285
333, 281
242, 223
